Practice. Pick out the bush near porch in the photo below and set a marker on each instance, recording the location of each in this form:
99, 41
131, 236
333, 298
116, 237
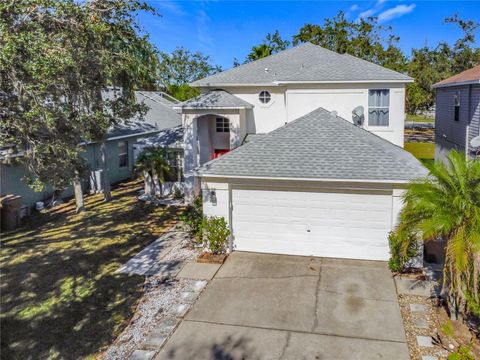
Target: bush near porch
61, 297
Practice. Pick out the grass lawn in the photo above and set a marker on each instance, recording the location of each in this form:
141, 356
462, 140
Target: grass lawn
425, 152
419, 118
60, 296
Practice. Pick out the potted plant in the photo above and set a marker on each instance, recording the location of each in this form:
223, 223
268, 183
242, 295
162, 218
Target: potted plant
215, 234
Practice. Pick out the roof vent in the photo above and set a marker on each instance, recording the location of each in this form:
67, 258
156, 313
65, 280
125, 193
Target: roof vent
358, 115
334, 113
266, 70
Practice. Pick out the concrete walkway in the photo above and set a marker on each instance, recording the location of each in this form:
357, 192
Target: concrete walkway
150, 261
261, 306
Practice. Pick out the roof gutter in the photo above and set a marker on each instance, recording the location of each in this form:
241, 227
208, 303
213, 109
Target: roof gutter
460, 83
304, 179
212, 107
284, 82
122, 137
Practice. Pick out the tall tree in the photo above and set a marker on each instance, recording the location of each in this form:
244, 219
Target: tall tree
447, 205
365, 39
181, 67
430, 65
57, 61
272, 44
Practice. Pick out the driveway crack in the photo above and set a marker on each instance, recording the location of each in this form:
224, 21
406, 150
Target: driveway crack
287, 343
317, 299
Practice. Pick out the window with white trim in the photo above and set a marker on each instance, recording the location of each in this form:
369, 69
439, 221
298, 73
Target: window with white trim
122, 154
222, 124
379, 107
264, 97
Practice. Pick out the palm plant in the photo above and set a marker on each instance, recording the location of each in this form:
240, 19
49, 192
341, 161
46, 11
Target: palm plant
446, 205
153, 163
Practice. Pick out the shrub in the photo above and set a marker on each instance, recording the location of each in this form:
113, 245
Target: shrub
462, 353
402, 249
177, 194
215, 233
192, 218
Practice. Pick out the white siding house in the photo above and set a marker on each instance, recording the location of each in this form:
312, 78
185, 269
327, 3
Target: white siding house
312, 162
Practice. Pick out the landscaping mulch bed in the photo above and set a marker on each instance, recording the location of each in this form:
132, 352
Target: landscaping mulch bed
211, 258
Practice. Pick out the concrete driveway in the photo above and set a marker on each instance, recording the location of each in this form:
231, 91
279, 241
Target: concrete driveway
262, 306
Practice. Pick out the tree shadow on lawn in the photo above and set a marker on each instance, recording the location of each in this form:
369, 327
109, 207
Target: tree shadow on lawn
61, 297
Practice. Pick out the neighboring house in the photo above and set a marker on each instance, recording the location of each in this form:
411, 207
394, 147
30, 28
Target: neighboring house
457, 115
307, 181
120, 152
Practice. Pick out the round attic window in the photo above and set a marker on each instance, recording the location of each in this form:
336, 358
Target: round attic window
264, 97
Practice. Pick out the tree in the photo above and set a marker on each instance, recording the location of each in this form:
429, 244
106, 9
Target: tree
57, 60
447, 205
430, 65
181, 67
464, 56
156, 169
365, 39
272, 44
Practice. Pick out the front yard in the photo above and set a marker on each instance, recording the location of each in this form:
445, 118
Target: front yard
61, 297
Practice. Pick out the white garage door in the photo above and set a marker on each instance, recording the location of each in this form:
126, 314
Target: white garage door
329, 224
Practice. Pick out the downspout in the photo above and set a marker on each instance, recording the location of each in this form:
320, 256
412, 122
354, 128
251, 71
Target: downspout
467, 130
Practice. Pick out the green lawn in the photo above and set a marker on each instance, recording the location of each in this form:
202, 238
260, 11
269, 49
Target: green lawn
419, 118
60, 296
425, 152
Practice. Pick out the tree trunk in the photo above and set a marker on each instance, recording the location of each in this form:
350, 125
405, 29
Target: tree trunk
106, 180
77, 186
149, 189
156, 184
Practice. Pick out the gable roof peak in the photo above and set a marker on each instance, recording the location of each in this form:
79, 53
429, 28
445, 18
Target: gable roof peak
305, 62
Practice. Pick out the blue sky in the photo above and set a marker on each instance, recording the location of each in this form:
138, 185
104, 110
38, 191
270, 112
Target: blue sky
228, 29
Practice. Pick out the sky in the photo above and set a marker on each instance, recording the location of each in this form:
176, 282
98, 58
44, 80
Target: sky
225, 30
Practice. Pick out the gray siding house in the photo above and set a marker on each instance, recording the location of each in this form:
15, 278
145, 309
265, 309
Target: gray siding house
120, 150
457, 114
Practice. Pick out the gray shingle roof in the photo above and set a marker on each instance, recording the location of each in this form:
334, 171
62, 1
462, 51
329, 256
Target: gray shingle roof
131, 128
214, 99
252, 137
318, 145
161, 113
167, 138
305, 62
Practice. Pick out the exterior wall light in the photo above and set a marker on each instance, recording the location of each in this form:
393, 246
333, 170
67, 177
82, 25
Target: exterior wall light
213, 198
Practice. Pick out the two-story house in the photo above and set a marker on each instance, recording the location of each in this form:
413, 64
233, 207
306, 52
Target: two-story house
457, 113
302, 153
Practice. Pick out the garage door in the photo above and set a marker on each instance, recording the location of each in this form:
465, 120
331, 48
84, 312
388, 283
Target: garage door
329, 224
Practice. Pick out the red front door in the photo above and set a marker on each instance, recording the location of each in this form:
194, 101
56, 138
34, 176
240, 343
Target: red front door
220, 152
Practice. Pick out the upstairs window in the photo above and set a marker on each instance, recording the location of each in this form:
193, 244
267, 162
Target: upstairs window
122, 154
264, 97
222, 125
457, 106
379, 107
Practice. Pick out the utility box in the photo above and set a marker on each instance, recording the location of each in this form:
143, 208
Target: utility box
96, 181
10, 206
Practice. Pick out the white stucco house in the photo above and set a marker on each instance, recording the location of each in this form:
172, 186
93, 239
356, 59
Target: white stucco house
301, 152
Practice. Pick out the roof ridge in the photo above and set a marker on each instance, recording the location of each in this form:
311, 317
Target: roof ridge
257, 61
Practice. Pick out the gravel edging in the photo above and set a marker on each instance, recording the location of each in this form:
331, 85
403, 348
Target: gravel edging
412, 330
160, 296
